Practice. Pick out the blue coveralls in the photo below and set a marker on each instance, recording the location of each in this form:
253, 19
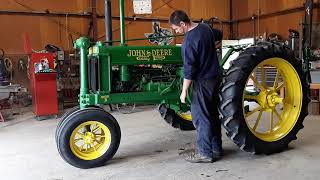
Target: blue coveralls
201, 65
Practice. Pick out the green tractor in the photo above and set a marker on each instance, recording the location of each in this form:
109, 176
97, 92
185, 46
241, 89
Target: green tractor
260, 115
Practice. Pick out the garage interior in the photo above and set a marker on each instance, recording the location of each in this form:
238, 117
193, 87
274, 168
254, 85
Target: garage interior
47, 49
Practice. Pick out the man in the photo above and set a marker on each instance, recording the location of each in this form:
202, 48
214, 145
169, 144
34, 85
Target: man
201, 69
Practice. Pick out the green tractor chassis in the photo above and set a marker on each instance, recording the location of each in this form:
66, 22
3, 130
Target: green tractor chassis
101, 63
259, 115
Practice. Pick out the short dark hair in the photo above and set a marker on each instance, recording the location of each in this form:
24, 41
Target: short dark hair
179, 16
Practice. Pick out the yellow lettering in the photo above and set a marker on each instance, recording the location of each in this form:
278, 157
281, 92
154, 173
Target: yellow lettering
162, 52
134, 52
158, 54
143, 53
153, 52
166, 52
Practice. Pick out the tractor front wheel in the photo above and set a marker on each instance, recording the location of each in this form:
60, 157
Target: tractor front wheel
68, 113
88, 138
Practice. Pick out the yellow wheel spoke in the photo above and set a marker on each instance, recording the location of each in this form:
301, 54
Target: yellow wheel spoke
100, 135
257, 121
271, 121
250, 97
86, 147
97, 128
80, 134
97, 141
256, 82
276, 79
94, 127
82, 147
93, 147
280, 87
254, 111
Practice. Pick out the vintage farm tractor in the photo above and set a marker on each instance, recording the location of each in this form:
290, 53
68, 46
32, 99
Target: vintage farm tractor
261, 115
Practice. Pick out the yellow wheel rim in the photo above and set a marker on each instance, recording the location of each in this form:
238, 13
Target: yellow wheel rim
275, 106
90, 140
185, 115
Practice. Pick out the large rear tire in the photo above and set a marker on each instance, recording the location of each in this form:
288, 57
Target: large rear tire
269, 117
180, 121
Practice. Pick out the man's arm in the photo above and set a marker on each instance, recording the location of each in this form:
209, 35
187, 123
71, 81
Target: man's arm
190, 54
190, 68
184, 92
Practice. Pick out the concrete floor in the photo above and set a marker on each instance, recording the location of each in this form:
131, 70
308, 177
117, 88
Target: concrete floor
150, 150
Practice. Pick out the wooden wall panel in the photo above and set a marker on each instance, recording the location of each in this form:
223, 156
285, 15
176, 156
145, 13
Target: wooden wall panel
163, 9
239, 9
278, 24
43, 30
41, 5
210, 8
246, 8
12, 29
57, 30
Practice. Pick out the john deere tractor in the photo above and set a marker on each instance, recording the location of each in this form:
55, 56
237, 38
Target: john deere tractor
261, 114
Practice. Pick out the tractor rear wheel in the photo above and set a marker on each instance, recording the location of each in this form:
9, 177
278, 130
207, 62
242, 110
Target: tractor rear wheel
88, 138
263, 113
182, 121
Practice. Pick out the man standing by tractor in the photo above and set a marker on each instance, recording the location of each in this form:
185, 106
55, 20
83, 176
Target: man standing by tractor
202, 72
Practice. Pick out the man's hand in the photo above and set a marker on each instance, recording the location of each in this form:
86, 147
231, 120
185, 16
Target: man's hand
184, 92
183, 96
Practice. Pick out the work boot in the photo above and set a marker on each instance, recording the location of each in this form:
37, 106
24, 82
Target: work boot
196, 157
216, 155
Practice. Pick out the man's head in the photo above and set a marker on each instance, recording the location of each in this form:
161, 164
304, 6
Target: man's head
179, 21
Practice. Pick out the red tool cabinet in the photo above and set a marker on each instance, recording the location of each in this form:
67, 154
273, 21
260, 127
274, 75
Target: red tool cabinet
43, 86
